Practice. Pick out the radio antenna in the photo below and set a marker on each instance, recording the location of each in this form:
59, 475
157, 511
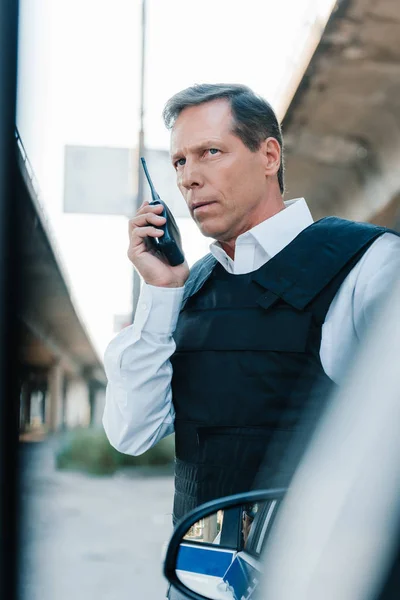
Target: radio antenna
154, 194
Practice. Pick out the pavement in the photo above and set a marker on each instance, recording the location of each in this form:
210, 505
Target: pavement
91, 538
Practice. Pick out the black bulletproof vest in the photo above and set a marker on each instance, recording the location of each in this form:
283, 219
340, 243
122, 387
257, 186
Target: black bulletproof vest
247, 358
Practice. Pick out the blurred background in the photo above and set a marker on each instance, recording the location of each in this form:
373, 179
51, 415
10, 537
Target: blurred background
93, 78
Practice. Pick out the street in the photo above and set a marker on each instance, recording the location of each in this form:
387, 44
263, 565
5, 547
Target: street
91, 538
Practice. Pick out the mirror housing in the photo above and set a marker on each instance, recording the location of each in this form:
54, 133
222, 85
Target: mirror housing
203, 511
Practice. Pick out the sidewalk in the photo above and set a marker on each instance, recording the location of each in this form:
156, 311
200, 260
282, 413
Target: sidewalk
91, 538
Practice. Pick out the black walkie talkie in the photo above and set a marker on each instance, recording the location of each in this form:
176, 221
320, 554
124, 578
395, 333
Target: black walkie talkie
170, 244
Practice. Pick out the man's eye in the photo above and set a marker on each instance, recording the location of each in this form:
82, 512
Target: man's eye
180, 162
213, 150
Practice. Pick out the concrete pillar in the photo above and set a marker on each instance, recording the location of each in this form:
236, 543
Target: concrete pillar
98, 405
91, 385
64, 403
25, 407
77, 403
44, 400
210, 529
55, 397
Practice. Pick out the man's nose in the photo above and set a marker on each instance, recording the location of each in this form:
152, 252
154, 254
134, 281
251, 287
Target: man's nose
191, 177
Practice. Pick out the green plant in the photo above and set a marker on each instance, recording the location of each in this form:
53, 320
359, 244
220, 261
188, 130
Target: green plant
89, 450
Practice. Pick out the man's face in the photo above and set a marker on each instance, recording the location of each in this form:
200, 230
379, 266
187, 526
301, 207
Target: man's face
223, 182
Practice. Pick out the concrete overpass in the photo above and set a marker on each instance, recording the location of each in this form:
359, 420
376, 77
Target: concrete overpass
62, 377
342, 128
342, 148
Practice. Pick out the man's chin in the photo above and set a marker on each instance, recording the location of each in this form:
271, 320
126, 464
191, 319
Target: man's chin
208, 230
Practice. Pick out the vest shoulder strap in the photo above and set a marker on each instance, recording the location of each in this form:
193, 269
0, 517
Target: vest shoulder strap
199, 274
315, 257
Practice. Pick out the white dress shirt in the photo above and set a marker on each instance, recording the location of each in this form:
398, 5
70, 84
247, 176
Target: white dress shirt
139, 410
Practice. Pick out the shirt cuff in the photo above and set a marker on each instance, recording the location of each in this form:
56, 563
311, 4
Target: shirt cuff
158, 309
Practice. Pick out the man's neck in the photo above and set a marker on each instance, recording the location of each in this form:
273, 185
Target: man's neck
229, 248
229, 245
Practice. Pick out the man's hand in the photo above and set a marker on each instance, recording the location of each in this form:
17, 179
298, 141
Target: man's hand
154, 270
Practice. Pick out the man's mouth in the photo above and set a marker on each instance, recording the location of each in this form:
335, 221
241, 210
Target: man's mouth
201, 205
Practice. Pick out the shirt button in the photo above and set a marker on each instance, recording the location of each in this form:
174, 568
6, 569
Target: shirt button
144, 306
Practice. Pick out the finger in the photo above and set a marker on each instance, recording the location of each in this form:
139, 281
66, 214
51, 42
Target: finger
146, 219
139, 233
155, 208
148, 208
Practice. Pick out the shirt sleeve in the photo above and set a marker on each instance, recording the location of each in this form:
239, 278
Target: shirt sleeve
357, 303
138, 410
379, 270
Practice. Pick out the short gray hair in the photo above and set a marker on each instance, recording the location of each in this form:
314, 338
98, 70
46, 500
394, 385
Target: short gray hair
254, 118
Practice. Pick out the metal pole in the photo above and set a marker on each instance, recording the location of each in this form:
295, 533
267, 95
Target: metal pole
141, 151
11, 219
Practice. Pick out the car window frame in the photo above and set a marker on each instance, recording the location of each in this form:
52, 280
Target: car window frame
258, 537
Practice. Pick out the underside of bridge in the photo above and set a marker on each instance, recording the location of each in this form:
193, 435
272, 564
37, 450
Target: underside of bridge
342, 129
61, 373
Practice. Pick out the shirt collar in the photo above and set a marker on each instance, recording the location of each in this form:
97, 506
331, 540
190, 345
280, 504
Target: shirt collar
273, 234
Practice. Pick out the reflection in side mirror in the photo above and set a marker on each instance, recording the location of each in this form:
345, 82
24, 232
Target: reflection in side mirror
214, 551
206, 530
230, 528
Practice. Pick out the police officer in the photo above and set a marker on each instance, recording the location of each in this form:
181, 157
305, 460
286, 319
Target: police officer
226, 355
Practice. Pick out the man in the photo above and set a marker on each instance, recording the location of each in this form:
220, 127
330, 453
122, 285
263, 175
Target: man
227, 357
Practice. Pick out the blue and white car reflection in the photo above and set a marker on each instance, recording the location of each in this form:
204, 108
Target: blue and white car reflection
227, 573
218, 573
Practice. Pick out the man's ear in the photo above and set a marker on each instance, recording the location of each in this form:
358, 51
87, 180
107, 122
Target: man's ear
271, 152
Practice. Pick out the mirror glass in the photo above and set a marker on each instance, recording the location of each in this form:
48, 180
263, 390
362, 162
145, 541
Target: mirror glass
207, 530
218, 555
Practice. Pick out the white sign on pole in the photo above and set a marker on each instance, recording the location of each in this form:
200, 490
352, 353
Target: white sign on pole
103, 181
99, 180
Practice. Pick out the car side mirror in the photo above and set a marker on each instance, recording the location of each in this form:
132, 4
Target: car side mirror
213, 552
